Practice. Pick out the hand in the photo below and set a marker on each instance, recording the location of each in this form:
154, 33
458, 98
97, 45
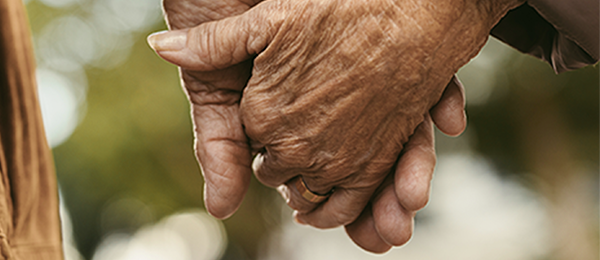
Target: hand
221, 203
448, 115
336, 89
178, 17
388, 219
220, 142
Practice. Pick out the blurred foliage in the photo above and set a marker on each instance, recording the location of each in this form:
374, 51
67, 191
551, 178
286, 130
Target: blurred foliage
542, 129
135, 142
528, 88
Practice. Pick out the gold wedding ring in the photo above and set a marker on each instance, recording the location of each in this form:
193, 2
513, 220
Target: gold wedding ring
308, 194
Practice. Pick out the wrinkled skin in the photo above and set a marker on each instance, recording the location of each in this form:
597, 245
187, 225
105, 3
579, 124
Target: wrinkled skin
336, 90
221, 145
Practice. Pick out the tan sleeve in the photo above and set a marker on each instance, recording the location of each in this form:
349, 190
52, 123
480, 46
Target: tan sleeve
29, 218
563, 33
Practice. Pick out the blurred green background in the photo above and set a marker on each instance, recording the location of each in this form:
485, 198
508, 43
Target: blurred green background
520, 183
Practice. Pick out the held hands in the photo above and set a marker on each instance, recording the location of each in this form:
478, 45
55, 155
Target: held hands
337, 87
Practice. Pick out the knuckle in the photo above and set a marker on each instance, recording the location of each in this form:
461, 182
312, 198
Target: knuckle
258, 117
265, 171
343, 217
299, 204
296, 153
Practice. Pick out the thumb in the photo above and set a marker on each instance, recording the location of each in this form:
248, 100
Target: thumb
218, 44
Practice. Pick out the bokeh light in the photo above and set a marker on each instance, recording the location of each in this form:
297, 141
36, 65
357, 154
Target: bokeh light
190, 235
68, 43
59, 3
59, 104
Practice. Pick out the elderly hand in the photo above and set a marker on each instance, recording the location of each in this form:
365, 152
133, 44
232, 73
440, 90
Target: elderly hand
220, 142
337, 88
388, 218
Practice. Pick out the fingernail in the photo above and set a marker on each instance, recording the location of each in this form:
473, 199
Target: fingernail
285, 193
168, 40
298, 219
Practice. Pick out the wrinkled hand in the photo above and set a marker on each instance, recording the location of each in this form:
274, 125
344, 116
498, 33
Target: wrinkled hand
220, 142
324, 76
388, 218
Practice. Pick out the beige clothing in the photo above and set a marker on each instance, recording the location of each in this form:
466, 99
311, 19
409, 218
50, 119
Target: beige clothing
29, 219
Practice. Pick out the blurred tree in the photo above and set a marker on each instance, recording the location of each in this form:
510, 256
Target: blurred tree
131, 162
544, 129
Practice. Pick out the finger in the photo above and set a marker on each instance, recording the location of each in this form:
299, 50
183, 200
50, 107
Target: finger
219, 44
415, 168
342, 208
449, 114
224, 156
393, 222
268, 172
364, 234
292, 194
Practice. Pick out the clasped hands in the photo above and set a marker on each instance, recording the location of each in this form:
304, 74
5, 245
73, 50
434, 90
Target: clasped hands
342, 93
